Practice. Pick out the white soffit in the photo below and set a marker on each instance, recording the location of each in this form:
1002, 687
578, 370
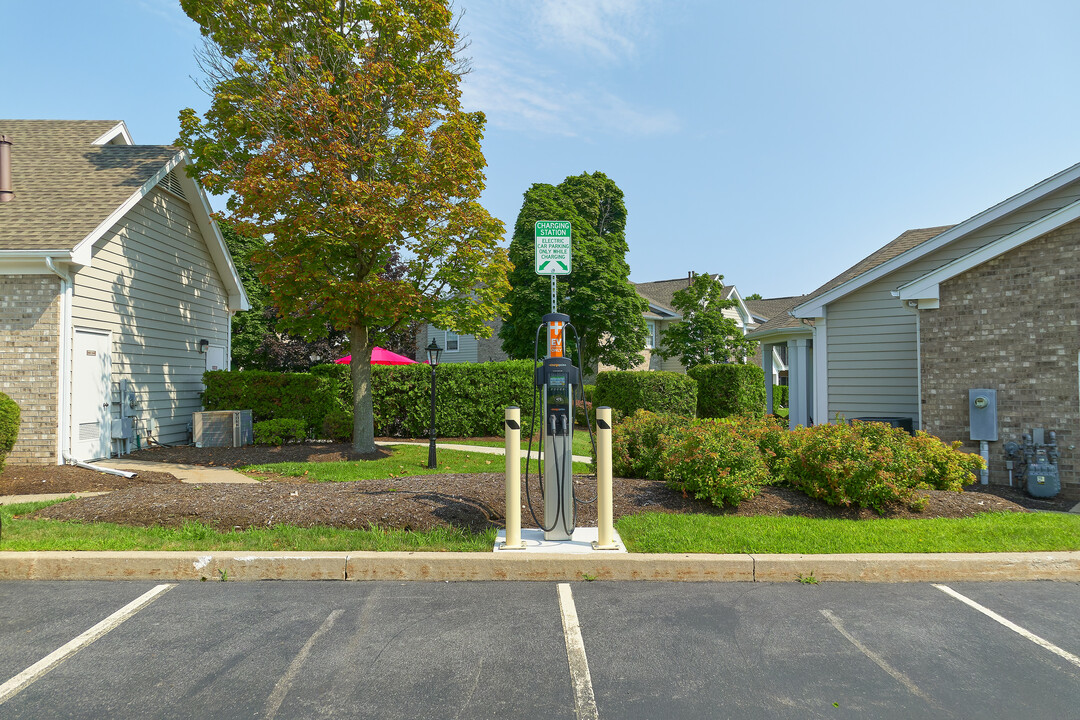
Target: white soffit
927, 287
815, 307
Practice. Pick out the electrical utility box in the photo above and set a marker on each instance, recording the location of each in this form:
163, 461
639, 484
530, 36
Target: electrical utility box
982, 411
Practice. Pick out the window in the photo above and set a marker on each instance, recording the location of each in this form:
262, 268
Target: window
450, 341
650, 338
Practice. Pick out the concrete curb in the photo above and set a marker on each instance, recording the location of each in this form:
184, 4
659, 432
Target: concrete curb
435, 566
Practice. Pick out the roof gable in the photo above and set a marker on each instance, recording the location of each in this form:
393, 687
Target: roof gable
888, 261
65, 186
75, 179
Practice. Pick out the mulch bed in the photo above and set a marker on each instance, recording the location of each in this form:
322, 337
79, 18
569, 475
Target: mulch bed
474, 501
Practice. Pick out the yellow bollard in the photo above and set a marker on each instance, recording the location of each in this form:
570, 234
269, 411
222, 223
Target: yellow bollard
605, 525
512, 419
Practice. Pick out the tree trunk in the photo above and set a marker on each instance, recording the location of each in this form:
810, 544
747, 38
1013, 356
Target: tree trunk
363, 410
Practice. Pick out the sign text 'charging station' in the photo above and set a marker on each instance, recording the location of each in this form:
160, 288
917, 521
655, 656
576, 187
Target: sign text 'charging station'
552, 247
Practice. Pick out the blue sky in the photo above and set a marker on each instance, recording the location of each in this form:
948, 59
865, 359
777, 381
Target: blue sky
776, 143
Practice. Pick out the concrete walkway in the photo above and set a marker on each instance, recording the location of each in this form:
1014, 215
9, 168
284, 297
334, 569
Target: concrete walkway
195, 474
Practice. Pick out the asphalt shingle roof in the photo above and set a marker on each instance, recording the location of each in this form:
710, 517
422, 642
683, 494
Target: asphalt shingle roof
661, 291
769, 308
904, 242
65, 186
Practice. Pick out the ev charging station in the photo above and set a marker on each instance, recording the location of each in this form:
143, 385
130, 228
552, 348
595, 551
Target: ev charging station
558, 381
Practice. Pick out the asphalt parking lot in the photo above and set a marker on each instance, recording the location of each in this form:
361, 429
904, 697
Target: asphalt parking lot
551, 650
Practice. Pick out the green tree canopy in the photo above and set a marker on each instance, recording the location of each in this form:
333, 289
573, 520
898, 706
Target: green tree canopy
704, 336
597, 294
336, 131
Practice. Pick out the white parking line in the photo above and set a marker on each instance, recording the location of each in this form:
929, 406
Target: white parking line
31, 674
584, 700
878, 660
281, 689
1011, 625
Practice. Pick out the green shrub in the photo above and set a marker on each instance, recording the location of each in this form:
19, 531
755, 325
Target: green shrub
279, 431
338, 425
626, 391
780, 396
870, 464
729, 389
270, 395
9, 427
636, 444
714, 461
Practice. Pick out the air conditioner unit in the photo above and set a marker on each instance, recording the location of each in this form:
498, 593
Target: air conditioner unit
221, 428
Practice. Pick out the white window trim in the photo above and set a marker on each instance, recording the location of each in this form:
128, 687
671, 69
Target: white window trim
446, 341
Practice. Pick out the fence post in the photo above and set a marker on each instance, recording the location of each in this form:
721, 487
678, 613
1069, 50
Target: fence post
605, 526
512, 421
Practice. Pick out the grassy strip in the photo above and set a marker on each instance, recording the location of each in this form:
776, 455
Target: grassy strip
22, 533
988, 532
581, 444
407, 460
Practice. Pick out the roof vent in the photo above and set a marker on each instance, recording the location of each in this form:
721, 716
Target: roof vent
6, 193
172, 183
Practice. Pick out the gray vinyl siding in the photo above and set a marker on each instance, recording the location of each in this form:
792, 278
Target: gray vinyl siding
872, 342
467, 347
153, 283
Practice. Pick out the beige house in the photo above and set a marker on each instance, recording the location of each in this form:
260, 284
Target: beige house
909, 331
660, 316
116, 290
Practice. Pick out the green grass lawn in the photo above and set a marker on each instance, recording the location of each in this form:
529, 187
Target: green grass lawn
989, 532
21, 533
406, 460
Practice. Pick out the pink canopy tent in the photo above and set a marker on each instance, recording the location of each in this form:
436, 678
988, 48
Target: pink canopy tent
381, 357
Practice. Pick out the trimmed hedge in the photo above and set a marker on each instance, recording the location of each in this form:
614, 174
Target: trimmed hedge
271, 395
279, 432
626, 391
780, 397
470, 398
9, 427
729, 389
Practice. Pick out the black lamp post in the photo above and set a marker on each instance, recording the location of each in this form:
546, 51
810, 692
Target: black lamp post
433, 351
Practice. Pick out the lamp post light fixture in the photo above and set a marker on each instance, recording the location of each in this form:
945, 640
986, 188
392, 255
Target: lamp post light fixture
433, 351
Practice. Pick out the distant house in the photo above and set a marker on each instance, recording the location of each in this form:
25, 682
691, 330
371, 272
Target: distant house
661, 316
990, 303
113, 276
461, 348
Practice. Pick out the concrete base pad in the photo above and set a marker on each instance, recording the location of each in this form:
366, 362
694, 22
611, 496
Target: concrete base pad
581, 542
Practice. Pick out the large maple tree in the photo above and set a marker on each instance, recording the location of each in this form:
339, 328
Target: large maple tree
335, 130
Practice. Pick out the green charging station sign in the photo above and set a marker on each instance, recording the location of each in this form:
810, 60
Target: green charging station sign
552, 247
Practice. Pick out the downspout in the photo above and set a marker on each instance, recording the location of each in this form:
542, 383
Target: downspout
63, 413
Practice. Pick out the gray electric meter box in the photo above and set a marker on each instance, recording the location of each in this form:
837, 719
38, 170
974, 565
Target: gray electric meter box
982, 410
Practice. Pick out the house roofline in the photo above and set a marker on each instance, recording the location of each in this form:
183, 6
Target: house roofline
976, 222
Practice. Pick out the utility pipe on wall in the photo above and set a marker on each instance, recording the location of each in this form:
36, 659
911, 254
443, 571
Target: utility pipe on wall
984, 450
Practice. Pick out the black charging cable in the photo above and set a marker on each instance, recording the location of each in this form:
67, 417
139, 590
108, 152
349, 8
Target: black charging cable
528, 456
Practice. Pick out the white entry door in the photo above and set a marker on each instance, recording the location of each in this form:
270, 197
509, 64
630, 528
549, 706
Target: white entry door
91, 382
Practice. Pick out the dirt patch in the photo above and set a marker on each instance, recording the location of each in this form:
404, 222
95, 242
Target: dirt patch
43, 479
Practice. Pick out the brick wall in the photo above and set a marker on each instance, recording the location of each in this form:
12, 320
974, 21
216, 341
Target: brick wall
1011, 324
29, 361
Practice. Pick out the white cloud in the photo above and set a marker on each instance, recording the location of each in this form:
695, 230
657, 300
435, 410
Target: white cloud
606, 28
516, 86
